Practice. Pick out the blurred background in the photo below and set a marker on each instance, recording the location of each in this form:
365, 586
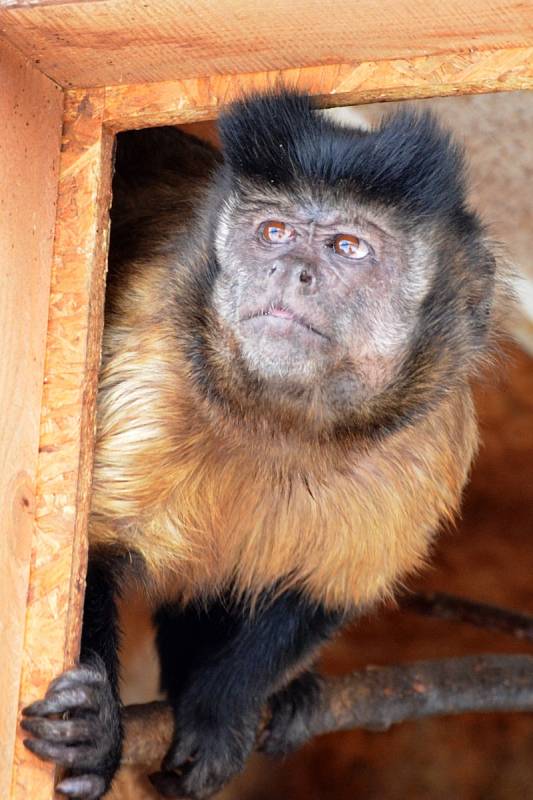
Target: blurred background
488, 557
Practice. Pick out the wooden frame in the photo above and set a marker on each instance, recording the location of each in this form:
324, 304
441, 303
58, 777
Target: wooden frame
61, 472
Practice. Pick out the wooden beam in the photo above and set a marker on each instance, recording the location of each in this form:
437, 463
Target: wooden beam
194, 100
53, 617
29, 161
120, 41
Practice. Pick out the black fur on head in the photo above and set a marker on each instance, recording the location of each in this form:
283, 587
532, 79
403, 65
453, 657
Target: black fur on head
408, 161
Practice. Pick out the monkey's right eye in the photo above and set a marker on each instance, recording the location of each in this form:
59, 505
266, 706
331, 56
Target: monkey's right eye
275, 232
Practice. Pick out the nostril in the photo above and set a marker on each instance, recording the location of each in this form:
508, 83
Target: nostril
305, 276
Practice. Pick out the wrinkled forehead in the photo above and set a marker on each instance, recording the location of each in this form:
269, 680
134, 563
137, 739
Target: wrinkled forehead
309, 203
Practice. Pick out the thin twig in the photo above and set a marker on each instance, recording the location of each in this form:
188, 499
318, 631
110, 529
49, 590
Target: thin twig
482, 615
374, 699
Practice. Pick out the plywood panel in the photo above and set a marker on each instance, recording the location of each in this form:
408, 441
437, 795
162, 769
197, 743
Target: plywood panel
119, 41
67, 420
198, 99
29, 158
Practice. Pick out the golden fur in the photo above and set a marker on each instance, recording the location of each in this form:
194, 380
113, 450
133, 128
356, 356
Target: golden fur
208, 504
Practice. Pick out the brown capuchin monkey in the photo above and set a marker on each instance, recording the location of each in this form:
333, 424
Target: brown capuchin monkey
284, 416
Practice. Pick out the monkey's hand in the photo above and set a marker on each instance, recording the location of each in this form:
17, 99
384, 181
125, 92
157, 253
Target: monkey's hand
207, 752
77, 725
290, 711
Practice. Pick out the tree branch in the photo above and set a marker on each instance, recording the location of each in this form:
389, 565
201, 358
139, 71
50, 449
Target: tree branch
482, 615
373, 699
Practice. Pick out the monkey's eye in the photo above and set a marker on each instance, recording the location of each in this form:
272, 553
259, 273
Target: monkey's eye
275, 232
349, 246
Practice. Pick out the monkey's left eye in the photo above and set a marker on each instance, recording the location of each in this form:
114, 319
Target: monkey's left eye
275, 232
349, 246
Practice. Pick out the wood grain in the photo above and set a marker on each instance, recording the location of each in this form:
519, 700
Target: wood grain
53, 614
40, 3
104, 43
29, 161
189, 101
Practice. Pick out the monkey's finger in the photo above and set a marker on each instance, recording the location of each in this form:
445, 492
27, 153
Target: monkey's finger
65, 731
62, 755
77, 675
69, 699
85, 787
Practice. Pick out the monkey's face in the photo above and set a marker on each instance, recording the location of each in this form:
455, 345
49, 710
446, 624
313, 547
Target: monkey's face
351, 281
317, 294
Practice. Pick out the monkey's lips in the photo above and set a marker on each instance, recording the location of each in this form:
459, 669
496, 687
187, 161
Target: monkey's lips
283, 319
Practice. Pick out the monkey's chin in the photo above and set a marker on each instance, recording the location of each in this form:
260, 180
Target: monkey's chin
281, 350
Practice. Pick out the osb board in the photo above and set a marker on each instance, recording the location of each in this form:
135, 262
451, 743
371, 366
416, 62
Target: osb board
198, 99
29, 158
67, 418
119, 41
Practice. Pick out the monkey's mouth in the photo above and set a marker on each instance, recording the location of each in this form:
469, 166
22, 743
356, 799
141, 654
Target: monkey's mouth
286, 316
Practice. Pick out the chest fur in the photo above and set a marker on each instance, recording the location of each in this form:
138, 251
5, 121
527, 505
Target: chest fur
205, 509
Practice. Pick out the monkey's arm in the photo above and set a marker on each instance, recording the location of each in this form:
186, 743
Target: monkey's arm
242, 659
